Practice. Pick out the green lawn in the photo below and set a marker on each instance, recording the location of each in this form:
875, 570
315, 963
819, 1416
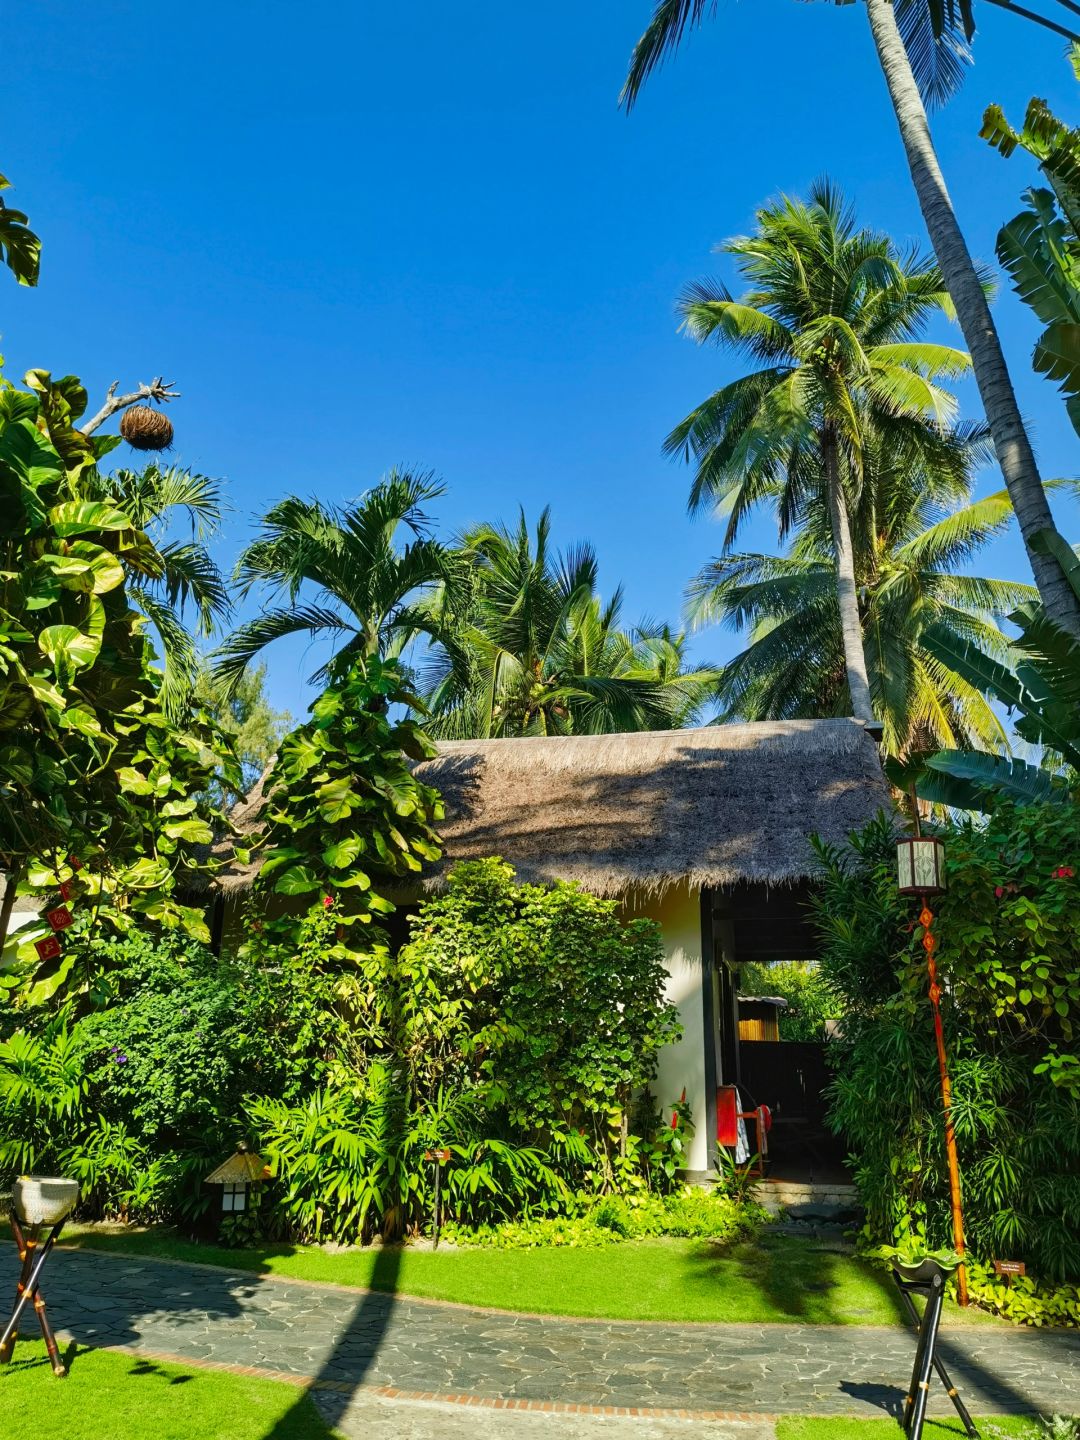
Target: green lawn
776, 1278
107, 1394
799, 1429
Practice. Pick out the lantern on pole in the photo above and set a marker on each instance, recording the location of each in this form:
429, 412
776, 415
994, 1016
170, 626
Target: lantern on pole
920, 867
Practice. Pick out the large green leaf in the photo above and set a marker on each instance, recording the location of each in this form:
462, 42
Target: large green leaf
973, 665
298, 880
68, 650
81, 517
981, 777
20, 248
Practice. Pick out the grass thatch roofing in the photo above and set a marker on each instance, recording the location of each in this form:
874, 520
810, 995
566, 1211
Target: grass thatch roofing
708, 807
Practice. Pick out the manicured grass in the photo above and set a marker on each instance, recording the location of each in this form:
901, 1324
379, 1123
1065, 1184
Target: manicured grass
773, 1279
107, 1394
800, 1429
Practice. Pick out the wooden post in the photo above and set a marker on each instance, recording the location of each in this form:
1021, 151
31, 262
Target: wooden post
926, 920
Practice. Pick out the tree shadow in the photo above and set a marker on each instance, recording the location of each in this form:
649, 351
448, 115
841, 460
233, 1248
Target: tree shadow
797, 1279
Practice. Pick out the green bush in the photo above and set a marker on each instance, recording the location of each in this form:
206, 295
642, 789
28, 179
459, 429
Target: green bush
690, 1212
1017, 1117
1023, 1300
140, 1100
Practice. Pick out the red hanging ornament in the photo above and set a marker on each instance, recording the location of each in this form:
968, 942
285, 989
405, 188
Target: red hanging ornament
65, 890
60, 918
49, 948
74, 862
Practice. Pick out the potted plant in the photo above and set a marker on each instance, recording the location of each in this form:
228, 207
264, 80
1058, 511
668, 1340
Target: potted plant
916, 1263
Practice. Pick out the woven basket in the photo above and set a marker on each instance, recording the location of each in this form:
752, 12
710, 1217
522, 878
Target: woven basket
44, 1199
146, 429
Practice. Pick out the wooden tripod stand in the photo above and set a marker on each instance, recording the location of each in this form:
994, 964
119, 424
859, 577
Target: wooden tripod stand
33, 1254
927, 1359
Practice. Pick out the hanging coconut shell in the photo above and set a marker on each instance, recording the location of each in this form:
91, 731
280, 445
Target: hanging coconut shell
146, 429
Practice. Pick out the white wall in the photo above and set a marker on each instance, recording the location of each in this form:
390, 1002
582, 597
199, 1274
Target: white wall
679, 917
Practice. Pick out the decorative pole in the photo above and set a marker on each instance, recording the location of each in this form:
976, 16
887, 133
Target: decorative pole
921, 870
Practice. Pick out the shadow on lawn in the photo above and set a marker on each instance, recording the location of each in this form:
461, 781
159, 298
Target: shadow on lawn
797, 1279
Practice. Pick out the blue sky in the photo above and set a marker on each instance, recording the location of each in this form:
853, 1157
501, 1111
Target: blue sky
361, 235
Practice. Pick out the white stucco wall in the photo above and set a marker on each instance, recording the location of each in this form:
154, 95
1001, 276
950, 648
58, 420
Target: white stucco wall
682, 1064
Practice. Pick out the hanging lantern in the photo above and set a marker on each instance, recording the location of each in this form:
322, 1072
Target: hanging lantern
920, 865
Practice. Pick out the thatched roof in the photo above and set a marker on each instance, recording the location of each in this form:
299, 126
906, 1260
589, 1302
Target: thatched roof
708, 807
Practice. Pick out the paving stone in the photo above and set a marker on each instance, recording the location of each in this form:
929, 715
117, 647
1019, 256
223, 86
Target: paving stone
361, 1341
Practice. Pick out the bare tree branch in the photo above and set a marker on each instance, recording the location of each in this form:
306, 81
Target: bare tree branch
158, 389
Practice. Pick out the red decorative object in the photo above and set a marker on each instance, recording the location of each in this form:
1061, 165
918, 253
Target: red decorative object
74, 862
727, 1115
65, 889
60, 918
49, 948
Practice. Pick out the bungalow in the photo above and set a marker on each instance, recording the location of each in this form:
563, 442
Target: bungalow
707, 831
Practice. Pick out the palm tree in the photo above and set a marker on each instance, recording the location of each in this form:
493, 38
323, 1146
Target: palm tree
671, 19
366, 586
915, 526
182, 573
534, 650
833, 319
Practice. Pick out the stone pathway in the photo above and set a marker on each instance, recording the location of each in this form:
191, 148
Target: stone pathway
372, 1356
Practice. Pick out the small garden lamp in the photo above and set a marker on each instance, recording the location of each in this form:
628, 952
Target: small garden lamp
239, 1172
920, 868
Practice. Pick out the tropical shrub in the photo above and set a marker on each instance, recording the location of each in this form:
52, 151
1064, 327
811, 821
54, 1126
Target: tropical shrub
1016, 1107
514, 1029
540, 994
690, 1212
139, 1100
103, 797
346, 818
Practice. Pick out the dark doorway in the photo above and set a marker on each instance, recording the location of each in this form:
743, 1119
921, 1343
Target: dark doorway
758, 923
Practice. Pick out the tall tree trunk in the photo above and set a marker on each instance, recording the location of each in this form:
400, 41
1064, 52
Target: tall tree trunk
1014, 452
846, 594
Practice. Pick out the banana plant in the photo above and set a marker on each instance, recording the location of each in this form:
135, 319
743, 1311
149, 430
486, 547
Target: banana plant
1041, 689
1040, 247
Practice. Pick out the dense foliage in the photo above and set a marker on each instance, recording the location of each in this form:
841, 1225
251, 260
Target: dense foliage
1038, 680
346, 818
1008, 947
104, 800
1040, 247
515, 1028
140, 1100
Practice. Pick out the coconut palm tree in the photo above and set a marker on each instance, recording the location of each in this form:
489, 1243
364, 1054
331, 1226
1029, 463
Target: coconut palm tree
915, 526
182, 575
929, 27
365, 586
535, 651
833, 319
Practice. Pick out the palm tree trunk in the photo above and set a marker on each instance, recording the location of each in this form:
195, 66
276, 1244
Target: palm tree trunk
1014, 452
846, 593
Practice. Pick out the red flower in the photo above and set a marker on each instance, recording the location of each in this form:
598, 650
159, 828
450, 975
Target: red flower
1064, 872
327, 901
674, 1120
999, 890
